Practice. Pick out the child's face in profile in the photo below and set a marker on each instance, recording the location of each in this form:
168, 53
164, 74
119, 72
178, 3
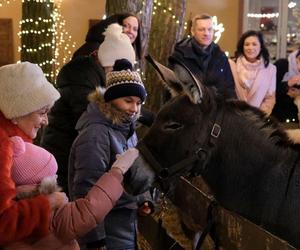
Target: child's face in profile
131, 105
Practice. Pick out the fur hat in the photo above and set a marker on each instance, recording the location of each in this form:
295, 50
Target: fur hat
116, 46
122, 81
31, 163
24, 89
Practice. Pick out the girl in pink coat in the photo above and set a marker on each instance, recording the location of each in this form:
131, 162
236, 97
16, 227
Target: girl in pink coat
34, 171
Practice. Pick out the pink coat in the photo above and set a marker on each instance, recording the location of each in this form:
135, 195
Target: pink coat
261, 93
75, 219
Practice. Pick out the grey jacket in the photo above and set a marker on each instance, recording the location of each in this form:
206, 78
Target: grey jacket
92, 154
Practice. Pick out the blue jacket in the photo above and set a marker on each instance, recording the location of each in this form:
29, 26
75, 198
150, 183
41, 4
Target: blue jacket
92, 154
210, 66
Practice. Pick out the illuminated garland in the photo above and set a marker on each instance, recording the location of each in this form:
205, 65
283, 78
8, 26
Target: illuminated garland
61, 43
218, 28
157, 4
3, 2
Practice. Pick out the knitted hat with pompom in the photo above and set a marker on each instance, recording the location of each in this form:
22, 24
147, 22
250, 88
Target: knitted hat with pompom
122, 81
116, 46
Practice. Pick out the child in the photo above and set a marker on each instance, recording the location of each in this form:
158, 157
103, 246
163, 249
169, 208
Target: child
106, 129
34, 171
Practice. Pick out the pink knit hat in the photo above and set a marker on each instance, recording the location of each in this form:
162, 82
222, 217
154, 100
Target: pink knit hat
31, 163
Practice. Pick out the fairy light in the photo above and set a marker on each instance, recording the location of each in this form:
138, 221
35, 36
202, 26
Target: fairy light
292, 5
263, 15
5, 2
159, 8
61, 43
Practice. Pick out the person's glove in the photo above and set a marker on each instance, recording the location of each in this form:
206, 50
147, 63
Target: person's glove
125, 160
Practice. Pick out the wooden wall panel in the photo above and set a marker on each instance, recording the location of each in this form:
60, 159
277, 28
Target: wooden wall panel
6, 41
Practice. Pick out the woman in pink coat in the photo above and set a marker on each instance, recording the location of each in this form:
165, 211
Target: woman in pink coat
34, 171
255, 76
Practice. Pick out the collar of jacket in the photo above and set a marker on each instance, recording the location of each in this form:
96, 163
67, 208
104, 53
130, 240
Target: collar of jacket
10, 129
186, 47
110, 112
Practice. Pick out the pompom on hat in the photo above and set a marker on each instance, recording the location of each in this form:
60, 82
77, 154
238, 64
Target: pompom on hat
116, 45
31, 163
24, 89
122, 81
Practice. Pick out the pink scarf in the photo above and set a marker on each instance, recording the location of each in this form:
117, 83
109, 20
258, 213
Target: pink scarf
248, 71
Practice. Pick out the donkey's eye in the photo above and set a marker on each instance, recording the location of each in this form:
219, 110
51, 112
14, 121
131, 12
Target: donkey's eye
172, 126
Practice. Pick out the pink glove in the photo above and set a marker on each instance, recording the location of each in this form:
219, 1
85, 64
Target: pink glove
125, 160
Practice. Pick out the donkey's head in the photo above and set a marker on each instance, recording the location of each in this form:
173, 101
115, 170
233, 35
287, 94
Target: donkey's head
178, 141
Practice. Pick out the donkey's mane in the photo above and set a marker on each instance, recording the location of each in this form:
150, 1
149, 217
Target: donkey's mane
256, 118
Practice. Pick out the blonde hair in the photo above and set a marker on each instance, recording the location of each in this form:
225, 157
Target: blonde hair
203, 16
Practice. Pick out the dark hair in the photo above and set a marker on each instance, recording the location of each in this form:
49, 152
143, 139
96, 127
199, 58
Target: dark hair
298, 53
137, 43
95, 36
263, 50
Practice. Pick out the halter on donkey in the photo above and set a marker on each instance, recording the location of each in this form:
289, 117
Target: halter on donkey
247, 161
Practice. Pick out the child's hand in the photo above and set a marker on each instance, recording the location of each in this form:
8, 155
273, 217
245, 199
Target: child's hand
145, 209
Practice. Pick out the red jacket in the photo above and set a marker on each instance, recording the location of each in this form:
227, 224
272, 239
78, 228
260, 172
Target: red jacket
18, 219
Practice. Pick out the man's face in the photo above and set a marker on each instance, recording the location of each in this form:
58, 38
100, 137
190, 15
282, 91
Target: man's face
203, 32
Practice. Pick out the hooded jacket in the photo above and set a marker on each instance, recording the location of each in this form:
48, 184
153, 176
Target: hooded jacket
75, 219
103, 133
18, 219
210, 66
75, 81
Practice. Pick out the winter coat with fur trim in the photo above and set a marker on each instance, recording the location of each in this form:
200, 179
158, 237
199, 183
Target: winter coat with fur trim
75, 219
102, 135
18, 219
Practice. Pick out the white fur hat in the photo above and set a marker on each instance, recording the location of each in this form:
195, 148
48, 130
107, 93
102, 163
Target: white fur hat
24, 89
116, 45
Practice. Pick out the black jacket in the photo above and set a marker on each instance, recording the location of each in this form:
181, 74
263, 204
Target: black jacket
284, 108
209, 66
75, 81
95, 36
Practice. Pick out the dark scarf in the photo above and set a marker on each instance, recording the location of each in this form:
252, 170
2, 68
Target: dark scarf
203, 55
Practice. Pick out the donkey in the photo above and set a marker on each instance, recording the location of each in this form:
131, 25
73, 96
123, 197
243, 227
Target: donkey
245, 158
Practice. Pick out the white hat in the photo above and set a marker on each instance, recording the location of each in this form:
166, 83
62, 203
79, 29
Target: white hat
24, 89
116, 45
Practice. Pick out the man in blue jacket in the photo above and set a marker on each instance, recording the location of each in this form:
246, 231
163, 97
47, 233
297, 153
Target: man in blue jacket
203, 57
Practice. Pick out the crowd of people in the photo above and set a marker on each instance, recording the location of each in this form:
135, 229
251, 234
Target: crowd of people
89, 142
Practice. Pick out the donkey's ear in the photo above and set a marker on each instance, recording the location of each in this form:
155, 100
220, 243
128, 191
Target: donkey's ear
168, 77
190, 83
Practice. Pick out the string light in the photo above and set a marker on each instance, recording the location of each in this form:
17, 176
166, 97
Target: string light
157, 6
263, 15
3, 2
61, 43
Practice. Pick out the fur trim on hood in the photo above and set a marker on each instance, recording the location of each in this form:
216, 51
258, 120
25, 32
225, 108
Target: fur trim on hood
47, 186
110, 111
